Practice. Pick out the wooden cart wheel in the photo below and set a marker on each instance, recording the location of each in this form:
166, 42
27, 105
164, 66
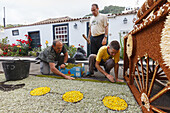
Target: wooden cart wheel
145, 73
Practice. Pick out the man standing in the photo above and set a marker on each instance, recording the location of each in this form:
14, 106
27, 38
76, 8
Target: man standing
50, 56
107, 56
98, 29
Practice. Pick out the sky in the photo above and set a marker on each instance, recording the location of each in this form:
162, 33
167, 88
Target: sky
31, 11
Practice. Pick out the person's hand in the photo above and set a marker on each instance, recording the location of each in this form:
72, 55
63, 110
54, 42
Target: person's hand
68, 77
88, 41
104, 41
62, 66
110, 77
118, 80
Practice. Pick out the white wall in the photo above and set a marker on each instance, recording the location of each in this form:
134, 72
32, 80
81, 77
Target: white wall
75, 35
116, 25
45, 33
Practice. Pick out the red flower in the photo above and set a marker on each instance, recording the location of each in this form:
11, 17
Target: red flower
19, 50
30, 39
13, 45
26, 35
29, 46
39, 45
26, 42
19, 40
23, 41
5, 53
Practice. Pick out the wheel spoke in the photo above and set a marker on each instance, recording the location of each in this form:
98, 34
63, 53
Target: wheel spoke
143, 72
164, 90
156, 109
143, 82
137, 83
147, 73
153, 65
152, 82
162, 75
160, 72
139, 77
140, 66
149, 67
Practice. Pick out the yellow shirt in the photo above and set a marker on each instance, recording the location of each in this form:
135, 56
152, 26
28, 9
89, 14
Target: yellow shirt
103, 54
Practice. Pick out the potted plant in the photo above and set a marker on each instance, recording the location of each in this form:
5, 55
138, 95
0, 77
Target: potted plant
71, 51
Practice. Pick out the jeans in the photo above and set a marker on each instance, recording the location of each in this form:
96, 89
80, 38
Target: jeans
45, 67
108, 65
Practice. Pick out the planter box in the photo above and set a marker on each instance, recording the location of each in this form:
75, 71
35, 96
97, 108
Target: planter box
74, 72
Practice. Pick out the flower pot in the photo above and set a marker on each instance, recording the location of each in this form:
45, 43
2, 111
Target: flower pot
16, 69
71, 60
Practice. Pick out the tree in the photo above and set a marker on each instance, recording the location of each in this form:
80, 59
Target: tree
110, 9
13, 25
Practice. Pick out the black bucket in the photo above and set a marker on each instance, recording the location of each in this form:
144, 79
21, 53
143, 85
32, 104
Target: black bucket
16, 69
71, 60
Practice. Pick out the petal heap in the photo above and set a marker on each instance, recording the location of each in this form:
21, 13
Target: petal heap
73, 96
40, 91
165, 42
114, 103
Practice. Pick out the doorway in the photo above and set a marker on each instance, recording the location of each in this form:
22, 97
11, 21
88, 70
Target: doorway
35, 36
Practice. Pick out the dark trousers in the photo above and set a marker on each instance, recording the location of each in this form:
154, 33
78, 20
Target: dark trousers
108, 65
96, 43
45, 67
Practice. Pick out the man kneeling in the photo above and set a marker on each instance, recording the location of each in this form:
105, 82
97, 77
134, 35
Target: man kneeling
107, 56
50, 56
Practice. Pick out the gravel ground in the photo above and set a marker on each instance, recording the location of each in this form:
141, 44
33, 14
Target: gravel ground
20, 101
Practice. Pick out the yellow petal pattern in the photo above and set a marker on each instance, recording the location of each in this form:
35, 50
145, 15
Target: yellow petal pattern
114, 103
40, 91
73, 96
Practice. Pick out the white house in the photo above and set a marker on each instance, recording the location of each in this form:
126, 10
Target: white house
69, 30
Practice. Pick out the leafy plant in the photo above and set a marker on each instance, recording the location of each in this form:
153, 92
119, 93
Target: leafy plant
122, 46
71, 50
35, 51
4, 46
19, 49
23, 45
46, 43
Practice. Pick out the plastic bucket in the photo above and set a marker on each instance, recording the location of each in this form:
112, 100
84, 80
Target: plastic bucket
16, 69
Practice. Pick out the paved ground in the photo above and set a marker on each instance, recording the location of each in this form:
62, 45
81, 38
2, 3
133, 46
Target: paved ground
35, 70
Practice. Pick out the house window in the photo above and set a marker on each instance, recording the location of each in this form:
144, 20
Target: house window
61, 32
15, 32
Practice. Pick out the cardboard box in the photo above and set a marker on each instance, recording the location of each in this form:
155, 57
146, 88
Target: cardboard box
77, 71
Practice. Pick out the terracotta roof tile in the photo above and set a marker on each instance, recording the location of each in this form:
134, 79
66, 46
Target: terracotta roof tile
67, 19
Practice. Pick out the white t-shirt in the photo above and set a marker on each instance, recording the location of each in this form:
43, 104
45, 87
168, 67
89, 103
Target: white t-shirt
98, 24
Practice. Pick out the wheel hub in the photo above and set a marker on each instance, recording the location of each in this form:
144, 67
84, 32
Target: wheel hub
145, 101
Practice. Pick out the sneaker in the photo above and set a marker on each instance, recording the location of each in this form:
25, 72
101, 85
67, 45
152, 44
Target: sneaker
95, 69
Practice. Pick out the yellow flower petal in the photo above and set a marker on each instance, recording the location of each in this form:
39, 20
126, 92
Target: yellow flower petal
73, 96
46, 42
40, 91
114, 103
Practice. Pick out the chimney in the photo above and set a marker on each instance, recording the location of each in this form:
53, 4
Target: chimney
4, 17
